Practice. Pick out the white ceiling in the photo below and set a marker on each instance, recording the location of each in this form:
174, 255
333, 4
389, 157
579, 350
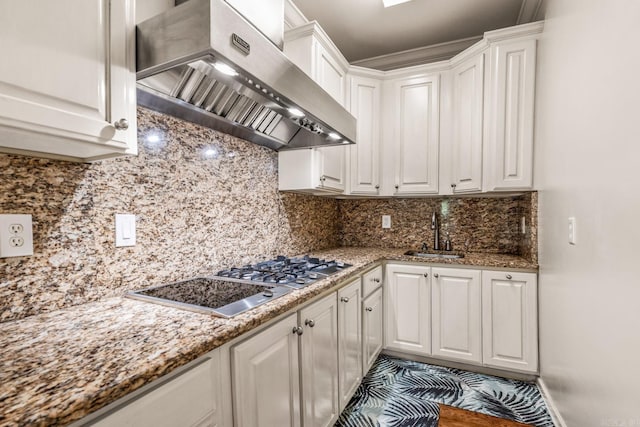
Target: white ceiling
364, 29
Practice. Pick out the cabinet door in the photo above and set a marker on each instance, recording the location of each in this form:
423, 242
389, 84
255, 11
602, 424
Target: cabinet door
332, 168
512, 109
416, 134
70, 77
319, 359
192, 398
457, 320
510, 320
371, 329
468, 89
329, 74
266, 378
407, 308
349, 340
364, 155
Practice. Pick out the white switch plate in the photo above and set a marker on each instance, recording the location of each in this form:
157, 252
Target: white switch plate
16, 235
125, 230
572, 230
386, 221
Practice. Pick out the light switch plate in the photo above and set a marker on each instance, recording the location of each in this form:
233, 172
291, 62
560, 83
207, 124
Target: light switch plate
16, 235
125, 230
386, 221
572, 230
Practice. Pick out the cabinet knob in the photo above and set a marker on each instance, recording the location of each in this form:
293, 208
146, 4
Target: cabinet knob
377, 187
310, 323
509, 277
322, 178
397, 186
375, 279
369, 309
298, 330
426, 274
436, 275
344, 299
454, 186
122, 124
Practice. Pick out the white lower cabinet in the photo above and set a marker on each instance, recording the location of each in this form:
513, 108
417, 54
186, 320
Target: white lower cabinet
319, 362
510, 320
371, 329
407, 307
194, 397
467, 315
349, 340
266, 377
456, 314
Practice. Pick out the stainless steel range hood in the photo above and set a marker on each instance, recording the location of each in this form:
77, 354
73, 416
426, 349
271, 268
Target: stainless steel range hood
203, 62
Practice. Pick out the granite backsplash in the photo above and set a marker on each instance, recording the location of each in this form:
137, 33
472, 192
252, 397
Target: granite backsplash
473, 224
204, 200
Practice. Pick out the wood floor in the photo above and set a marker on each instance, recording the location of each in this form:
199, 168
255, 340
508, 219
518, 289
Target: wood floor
454, 417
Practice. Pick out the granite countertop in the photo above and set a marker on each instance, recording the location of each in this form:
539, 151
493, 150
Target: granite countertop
59, 367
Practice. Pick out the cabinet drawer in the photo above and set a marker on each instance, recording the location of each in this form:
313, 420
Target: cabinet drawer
371, 281
187, 400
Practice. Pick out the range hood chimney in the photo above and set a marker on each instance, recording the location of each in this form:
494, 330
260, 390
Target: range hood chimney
203, 62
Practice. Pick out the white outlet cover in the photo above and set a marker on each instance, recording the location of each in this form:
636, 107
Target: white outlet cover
16, 226
386, 221
125, 230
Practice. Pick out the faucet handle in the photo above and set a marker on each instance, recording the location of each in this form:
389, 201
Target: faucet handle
424, 248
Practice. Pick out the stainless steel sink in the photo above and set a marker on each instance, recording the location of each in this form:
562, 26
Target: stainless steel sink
432, 255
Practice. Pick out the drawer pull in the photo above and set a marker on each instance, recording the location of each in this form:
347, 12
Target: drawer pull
508, 277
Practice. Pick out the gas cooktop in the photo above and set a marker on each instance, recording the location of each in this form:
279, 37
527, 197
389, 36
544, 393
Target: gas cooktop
292, 272
235, 290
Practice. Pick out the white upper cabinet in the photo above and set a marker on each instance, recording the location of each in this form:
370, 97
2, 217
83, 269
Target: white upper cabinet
317, 170
67, 80
467, 120
312, 170
309, 47
364, 157
415, 130
510, 115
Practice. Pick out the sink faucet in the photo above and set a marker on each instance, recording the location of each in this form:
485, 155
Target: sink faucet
436, 232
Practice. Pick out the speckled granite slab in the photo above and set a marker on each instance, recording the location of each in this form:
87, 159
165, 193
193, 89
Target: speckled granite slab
58, 367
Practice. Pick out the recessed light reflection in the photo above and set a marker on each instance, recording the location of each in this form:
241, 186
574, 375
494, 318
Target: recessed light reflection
225, 69
154, 140
210, 153
295, 112
334, 135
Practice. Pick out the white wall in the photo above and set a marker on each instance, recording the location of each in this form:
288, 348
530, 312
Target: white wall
588, 166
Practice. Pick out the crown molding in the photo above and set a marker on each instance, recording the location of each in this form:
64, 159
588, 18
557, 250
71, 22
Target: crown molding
531, 29
418, 56
293, 17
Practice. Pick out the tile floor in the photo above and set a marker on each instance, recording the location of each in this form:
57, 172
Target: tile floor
403, 393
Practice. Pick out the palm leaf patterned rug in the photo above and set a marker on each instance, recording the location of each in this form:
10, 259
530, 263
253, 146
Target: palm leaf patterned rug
403, 393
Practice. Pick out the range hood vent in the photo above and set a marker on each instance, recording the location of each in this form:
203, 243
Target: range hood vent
202, 62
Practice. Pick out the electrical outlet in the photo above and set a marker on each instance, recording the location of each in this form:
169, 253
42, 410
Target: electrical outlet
16, 235
386, 221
